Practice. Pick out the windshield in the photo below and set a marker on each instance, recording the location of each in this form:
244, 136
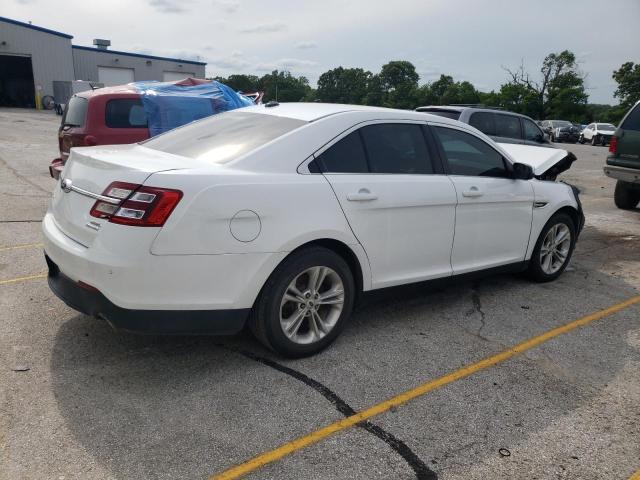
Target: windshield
223, 137
605, 126
75, 113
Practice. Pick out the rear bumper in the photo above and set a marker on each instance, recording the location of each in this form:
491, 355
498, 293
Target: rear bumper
91, 302
631, 175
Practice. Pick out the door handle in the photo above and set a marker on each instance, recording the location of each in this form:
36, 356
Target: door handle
363, 195
472, 192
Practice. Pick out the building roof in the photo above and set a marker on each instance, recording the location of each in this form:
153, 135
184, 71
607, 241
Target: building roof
140, 55
33, 27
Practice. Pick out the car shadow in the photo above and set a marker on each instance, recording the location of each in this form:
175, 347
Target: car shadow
185, 407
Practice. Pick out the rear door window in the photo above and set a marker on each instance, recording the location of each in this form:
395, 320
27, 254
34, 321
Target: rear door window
531, 130
484, 122
507, 126
125, 113
345, 156
632, 122
76, 112
396, 148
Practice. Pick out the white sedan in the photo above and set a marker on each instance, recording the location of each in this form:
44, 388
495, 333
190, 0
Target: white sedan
281, 216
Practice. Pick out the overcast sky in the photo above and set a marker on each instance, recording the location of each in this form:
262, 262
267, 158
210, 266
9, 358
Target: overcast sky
468, 39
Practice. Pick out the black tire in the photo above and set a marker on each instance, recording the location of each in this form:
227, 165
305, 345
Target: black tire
594, 140
264, 321
627, 195
581, 140
535, 271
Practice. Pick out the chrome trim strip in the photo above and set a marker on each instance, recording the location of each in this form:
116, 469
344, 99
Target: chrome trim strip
102, 198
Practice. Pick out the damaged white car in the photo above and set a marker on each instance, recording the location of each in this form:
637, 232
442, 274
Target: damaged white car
281, 216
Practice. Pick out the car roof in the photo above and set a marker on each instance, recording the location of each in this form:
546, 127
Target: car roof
310, 112
126, 89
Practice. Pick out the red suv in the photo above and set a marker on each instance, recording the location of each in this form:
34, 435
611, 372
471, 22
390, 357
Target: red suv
107, 116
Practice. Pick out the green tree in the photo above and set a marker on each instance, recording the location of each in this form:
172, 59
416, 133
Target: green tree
240, 82
343, 85
628, 79
284, 87
559, 92
399, 84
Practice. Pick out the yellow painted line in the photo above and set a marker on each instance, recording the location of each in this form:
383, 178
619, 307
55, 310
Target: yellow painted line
26, 245
314, 437
22, 279
635, 476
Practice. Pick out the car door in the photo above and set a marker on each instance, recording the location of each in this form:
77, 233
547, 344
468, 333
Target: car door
507, 128
494, 211
587, 133
398, 202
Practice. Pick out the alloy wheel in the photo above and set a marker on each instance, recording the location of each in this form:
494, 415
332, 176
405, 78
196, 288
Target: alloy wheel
311, 305
555, 248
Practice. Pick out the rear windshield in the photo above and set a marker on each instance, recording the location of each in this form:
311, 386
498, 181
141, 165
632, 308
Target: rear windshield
632, 122
443, 113
606, 126
223, 137
76, 112
125, 113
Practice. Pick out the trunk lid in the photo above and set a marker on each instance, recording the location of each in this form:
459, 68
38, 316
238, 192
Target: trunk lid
91, 170
547, 163
627, 151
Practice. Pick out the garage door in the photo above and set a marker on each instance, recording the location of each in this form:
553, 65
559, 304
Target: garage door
110, 76
173, 76
16, 82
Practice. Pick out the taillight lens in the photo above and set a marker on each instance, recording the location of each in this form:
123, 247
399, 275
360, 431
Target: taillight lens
613, 144
136, 205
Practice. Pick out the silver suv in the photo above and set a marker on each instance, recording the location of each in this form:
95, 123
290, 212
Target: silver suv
500, 125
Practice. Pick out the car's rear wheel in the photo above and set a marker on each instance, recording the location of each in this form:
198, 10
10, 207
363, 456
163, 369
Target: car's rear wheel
626, 195
305, 303
553, 249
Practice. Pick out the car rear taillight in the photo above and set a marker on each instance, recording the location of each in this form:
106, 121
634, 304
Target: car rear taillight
136, 205
613, 145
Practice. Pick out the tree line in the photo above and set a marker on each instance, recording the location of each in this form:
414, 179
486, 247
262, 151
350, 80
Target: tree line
557, 90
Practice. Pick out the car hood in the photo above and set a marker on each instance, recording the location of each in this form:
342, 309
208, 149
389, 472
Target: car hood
547, 163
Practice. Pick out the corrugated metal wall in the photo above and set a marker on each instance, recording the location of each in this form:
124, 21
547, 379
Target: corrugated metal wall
50, 54
86, 63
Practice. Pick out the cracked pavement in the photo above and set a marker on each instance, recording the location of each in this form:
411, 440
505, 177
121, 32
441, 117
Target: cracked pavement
103, 405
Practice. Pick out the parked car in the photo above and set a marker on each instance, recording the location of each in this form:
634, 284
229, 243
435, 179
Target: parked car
283, 215
117, 115
597, 133
561, 131
623, 161
500, 125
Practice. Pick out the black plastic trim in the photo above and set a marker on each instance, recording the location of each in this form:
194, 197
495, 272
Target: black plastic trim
164, 322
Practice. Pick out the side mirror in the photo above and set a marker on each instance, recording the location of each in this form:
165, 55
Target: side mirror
546, 138
522, 171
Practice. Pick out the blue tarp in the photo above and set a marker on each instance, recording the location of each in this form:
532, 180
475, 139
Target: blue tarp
169, 105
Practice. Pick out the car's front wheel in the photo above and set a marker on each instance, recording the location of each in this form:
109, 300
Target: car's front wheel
581, 139
553, 249
594, 140
305, 303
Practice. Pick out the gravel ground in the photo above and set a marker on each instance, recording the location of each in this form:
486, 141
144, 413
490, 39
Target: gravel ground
78, 400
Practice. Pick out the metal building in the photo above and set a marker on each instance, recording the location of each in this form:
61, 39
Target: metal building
32, 58
112, 67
